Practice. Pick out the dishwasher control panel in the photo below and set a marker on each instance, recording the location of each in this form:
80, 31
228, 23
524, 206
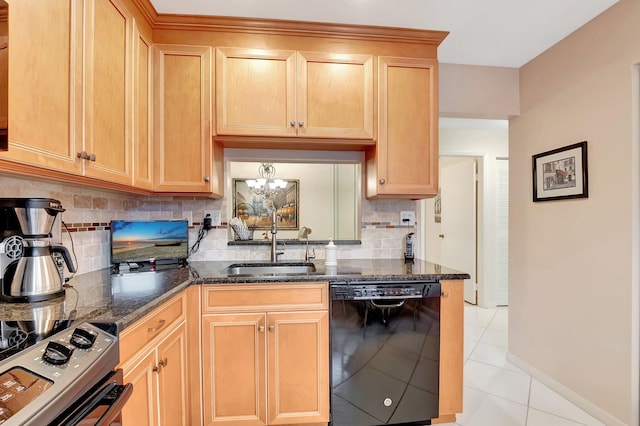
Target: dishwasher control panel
384, 290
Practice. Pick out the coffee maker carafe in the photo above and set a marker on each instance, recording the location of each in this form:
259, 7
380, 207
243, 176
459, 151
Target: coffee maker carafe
31, 267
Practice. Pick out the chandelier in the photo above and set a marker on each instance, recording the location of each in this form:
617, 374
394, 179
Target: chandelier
266, 186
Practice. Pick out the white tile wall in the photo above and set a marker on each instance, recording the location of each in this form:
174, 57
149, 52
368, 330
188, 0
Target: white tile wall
380, 237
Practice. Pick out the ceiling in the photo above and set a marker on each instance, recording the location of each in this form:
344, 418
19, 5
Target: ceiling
506, 33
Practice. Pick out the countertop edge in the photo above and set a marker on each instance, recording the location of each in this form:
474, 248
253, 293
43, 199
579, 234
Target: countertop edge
137, 314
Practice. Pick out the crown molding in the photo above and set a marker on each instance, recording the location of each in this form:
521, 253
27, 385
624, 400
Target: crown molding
287, 28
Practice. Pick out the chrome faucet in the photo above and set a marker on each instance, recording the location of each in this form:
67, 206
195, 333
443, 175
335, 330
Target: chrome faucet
274, 231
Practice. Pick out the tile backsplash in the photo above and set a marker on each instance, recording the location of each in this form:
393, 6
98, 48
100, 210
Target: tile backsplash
89, 211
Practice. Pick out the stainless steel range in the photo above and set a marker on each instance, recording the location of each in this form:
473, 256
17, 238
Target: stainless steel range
67, 378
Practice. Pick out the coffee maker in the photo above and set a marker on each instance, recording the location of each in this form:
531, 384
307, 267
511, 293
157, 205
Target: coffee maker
31, 267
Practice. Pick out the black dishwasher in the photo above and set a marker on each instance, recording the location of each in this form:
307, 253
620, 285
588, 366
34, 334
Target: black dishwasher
385, 345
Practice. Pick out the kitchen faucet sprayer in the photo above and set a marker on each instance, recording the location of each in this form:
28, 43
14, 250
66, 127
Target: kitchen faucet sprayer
304, 233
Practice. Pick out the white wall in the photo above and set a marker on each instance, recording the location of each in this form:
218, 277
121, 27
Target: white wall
474, 91
573, 296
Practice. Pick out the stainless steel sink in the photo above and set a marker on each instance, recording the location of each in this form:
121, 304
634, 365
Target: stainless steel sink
284, 268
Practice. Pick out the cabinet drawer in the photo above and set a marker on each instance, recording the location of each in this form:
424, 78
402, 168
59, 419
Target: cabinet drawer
265, 297
151, 325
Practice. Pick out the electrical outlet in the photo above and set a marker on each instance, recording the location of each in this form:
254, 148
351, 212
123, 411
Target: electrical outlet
214, 215
408, 218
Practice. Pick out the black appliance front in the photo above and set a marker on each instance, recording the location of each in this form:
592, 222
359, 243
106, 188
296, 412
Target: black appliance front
385, 344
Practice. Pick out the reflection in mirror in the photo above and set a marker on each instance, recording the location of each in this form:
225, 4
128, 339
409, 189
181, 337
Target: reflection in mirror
326, 199
4, 74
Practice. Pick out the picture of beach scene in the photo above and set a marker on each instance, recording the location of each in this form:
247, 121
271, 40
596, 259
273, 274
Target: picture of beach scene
139, 241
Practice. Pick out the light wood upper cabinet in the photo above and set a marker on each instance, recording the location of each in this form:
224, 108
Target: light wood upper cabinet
185, 160
405, 160
288, 93
71, 87
45, 85
108, 58
142, 113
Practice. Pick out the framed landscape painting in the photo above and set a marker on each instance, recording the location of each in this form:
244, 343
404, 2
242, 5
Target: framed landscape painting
561, 173
254, 209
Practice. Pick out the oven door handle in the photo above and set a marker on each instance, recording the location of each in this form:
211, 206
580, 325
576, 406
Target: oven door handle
116, 406
112, 395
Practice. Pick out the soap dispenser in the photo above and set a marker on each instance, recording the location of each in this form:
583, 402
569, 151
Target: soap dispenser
330, 258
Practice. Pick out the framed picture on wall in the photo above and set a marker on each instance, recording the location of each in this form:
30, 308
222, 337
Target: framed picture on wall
561, 173
253, 209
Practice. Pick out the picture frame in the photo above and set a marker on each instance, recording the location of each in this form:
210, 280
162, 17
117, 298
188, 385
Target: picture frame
252, 208
561, 173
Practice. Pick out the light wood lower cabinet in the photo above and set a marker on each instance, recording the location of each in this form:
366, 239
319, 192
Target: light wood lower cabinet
158, 369
265, 354
451, 350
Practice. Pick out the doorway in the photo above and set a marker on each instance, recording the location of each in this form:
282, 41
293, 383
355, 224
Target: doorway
486, 142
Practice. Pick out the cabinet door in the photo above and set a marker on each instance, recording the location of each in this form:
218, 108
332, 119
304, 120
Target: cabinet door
451, 349
45, 95
172, 378
182, 120
405, 160
107, 87
142, 143
233, 369
141, 409
334, 95
255, 92
298, 354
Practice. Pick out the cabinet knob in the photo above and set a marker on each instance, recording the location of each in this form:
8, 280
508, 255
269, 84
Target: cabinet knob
261, 329
272, 327
382, 181
445, 294
301, 123
163, 362
293, 123
207, 179
156, 369
441, 235
85, 156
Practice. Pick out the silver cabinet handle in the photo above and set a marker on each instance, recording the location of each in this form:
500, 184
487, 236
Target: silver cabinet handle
301, 123
293, 123
382, 181
161, 324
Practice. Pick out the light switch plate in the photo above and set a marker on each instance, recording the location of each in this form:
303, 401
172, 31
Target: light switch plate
215, 216
407, 218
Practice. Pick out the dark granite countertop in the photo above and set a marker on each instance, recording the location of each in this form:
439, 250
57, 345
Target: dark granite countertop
125, 297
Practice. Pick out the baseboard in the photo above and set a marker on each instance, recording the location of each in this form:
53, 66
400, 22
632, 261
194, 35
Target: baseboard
567, 393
